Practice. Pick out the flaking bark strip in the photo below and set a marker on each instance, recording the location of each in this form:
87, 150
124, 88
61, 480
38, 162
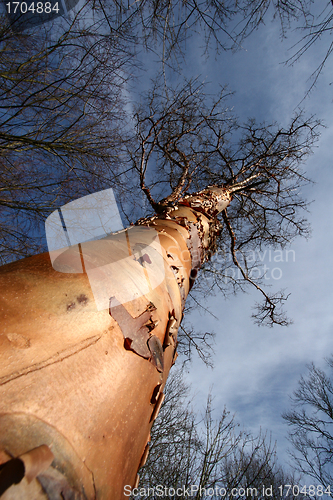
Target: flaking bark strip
156, 350
136, 331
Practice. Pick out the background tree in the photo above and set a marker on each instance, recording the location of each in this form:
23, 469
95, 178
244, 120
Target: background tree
210, 453
314, 20
61, 124
311, 422
164, 28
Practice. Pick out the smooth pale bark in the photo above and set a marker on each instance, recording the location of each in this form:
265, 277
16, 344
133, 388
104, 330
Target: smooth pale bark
88, 383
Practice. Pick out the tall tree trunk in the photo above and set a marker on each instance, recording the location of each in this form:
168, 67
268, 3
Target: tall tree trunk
88, 383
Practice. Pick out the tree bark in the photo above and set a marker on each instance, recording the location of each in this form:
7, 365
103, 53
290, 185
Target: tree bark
88, 383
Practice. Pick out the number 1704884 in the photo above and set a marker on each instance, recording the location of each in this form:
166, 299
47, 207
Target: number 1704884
32, 8
311, 491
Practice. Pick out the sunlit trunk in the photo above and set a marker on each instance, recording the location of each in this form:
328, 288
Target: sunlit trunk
88, 383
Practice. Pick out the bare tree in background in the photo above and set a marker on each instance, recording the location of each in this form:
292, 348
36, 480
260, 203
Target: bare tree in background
311, 21
311, 422
211, 454
164, 28
314, 21
61, 124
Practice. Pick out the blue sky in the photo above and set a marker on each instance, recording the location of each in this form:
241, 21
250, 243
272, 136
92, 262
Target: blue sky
257, 368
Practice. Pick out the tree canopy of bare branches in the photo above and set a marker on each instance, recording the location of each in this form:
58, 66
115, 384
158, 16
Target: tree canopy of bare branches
61, 130
311, 422
209, 454
314, 22
165, 27
185, 142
